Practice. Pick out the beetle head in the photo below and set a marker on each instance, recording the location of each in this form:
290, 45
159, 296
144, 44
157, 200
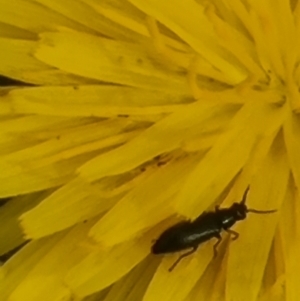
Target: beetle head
240, 211
243, 207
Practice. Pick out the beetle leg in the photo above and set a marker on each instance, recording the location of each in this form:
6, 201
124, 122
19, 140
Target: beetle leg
234, 234
219, 237
181, 257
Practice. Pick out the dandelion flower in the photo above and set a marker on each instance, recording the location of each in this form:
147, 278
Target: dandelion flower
125, 117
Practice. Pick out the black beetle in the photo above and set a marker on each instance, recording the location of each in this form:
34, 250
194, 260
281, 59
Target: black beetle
190, 234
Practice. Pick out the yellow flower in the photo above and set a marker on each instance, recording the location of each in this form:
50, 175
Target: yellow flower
129, 116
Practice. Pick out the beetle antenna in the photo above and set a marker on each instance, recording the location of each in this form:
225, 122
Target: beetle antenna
254, 210
261, 211
245, 195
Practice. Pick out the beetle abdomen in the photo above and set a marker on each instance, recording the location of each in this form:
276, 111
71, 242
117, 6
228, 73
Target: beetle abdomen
172, 239
180, 237
187, 234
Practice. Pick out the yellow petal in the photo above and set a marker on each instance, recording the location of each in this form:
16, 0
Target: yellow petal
212, 281
187, 19
12, 32
290, 235
105, 60
133, 285
102, 101
75, 202
28, 69
52, 162
39, 268
18, 179
176, 285
87, 277
229, 154
276, 292
236, 43
11, 235
120, 21
291, 135
144, 206
248, 255
164, 136
26, 16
